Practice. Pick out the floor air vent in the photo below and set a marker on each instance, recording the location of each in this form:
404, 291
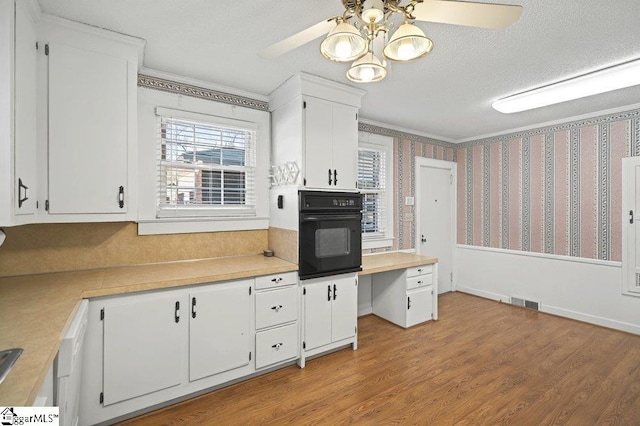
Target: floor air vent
530, 304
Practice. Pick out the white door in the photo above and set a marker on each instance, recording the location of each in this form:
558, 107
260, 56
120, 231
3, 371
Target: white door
630, 228
318, 170
435, 236
419, 306
317, 313
344, 314
219, 328
142, 346
25, 112
88, 130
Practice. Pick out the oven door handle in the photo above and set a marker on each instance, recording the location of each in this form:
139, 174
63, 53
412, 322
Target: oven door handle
306, 218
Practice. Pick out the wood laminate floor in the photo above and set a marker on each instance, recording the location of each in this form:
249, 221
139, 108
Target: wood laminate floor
482, 362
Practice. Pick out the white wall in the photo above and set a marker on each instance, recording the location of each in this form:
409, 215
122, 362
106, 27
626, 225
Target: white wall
575, 288
364, 295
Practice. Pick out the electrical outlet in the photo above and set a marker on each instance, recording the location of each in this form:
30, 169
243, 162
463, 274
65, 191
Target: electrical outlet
409, 201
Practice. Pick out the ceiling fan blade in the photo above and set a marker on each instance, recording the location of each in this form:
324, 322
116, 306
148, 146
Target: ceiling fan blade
481, 15
297, 40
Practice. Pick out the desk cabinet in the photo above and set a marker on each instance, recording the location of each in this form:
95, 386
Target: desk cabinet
406, 297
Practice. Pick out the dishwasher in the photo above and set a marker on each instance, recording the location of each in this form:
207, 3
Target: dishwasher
69, 369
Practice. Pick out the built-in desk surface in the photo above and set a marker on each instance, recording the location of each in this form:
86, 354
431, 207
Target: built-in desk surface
372, 264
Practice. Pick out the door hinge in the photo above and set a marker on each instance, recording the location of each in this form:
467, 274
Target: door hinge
37, 205
46, 49
355, 329
356, 282
432, 292
249, 290
432, 316
36, 45
249, 356
451, 179
304, 345
304, 104
102, 314
304, 291
451, 277
356, 116
46, 205
101, 397
304, 181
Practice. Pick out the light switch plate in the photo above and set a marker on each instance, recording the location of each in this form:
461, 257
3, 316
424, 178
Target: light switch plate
409, 201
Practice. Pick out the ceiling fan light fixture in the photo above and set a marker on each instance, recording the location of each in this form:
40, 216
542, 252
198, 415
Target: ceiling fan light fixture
407, 43
344, 43
372, 10
601, 81
368, 69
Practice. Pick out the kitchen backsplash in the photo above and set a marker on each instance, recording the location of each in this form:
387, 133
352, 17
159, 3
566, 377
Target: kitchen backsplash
33, 249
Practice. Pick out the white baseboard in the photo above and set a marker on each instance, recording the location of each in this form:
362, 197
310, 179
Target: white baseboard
365, 310
591, 319
482, 293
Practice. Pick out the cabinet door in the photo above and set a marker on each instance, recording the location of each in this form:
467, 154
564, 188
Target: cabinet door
419, 306
317, 313
345, 146
318, 146
87, 131
143, 349
344, 315
25, 112
219, 334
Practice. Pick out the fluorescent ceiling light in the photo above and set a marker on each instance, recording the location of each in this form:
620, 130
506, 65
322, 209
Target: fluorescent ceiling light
606, 80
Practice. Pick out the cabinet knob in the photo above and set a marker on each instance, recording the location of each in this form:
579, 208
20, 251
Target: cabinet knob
276, 280
277, 346
277, 308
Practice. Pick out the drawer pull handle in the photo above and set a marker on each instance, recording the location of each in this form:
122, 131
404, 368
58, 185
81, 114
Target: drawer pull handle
277, 346
420, 269
420, 282
276, 280
277, 308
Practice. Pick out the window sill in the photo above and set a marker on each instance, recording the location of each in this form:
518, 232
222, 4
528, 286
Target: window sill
371, 243
195, 225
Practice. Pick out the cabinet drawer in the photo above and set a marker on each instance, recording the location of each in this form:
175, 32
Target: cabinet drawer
276, 280
276, 307
419, 270
277, 345
419, 281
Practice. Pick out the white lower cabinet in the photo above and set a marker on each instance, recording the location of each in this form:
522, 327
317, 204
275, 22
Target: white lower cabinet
406, 297
146, 349
140, 353
219, 329
277, 333
330, 314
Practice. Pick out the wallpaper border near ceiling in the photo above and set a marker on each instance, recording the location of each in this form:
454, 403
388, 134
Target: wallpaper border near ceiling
372, 128
170, 86
632, 114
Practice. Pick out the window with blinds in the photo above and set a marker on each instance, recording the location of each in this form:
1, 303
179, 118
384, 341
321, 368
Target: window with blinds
372, 185
205, 168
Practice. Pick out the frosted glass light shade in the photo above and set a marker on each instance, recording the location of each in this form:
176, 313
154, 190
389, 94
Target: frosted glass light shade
343, 44
407, 43
367, 69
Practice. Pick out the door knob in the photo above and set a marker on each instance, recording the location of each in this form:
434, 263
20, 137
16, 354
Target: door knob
423, 239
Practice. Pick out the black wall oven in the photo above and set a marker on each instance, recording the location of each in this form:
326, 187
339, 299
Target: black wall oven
330, 233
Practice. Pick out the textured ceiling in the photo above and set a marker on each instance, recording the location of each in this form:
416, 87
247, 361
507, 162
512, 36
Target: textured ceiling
447, 94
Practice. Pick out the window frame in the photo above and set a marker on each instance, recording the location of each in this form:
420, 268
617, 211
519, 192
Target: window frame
370, 141
200, 211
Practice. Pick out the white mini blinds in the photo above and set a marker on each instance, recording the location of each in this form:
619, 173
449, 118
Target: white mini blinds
206, 165
372, 185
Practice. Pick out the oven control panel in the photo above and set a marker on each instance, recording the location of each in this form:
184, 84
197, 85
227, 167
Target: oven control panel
334, 201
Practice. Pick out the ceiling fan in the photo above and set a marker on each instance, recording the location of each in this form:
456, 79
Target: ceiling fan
360, 34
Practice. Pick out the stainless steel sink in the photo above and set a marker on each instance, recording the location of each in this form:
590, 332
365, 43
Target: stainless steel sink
7, 359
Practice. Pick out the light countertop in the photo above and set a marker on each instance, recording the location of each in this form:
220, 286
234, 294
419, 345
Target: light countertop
374, 263
35, 310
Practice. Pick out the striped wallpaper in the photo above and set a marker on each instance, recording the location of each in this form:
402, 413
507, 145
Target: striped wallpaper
550, 190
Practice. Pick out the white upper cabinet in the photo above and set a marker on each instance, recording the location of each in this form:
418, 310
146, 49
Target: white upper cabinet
315, 125
18, 139
89, 92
